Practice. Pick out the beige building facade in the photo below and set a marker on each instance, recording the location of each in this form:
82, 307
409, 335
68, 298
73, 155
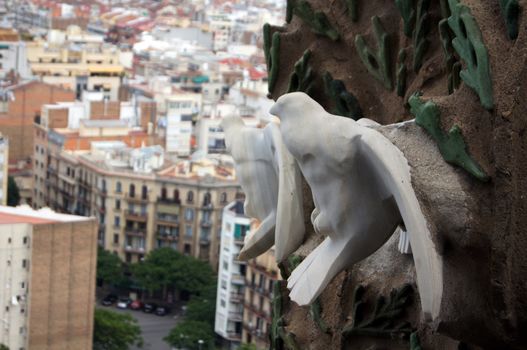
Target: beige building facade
48, 265
261, 275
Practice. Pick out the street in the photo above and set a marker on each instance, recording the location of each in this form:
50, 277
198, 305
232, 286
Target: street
154, 328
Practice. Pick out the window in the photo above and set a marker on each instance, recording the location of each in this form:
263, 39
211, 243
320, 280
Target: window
188, 231
176, 196
225, 265
222, 302
9, 240
118, 188
115, 238
117, 204
22, 285
117, 221
206, 199
132, 190
190, 196
223, 198
24, 263
223, 284
187, 249
189, 214
144, 192
25, 240
164, 193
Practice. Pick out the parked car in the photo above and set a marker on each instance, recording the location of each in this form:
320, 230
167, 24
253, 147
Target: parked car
149, 307
110, 299
162, 311
136, 305
123, 303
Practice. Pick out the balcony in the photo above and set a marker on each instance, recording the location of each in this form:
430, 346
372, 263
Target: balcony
236, 316
134, 249
233, 336
204, 240
206, 223
207, 206
135, 198
258, 311
238, 279
167, 219
135, 216
236, 298
256, 332
134, 232
168, 201
167, 236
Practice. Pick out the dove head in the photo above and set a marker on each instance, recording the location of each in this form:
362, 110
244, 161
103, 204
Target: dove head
295, 105
232, 126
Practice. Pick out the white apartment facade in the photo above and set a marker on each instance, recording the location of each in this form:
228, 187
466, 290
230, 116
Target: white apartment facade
231, 273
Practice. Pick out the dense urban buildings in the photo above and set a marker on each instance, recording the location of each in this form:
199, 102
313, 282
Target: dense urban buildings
47, 274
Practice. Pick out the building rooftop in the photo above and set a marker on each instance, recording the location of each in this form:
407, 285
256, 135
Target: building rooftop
24, 214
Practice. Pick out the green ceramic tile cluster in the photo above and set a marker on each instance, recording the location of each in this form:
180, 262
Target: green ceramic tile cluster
468, 43
451, 145
318, 21
302, 77
400, 83
353, 9
376, 61
271, 47
345, 103
510, 10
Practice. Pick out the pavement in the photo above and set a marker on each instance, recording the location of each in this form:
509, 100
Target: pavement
154, 328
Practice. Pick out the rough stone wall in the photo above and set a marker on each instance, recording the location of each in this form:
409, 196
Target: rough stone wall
479, 226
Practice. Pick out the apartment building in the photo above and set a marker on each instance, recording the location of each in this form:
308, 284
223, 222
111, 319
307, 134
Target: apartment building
90, 66
141, 200
20, 106
47, 274
261, 275
231, 275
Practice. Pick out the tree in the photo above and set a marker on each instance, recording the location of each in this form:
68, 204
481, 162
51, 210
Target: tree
187, 335
113, 331
13, 193
3, 347
193, 275
203, 307
109, 267
166, 267
156, 272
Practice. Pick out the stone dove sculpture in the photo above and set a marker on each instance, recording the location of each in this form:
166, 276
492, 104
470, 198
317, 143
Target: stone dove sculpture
362, 191
271, 180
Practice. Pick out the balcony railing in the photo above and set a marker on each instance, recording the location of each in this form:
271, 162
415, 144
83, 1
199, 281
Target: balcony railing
206, 223
237, 279
236, 316
167, 236
134, 249
165, 200
134, 232
236, 297
167, 218
133, 215
135, 198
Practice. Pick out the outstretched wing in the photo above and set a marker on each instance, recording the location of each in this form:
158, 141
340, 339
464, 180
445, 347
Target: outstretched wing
392, 167
289, 229
256, 173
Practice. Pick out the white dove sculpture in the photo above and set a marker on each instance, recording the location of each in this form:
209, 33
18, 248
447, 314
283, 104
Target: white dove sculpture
362, 191
271, 180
